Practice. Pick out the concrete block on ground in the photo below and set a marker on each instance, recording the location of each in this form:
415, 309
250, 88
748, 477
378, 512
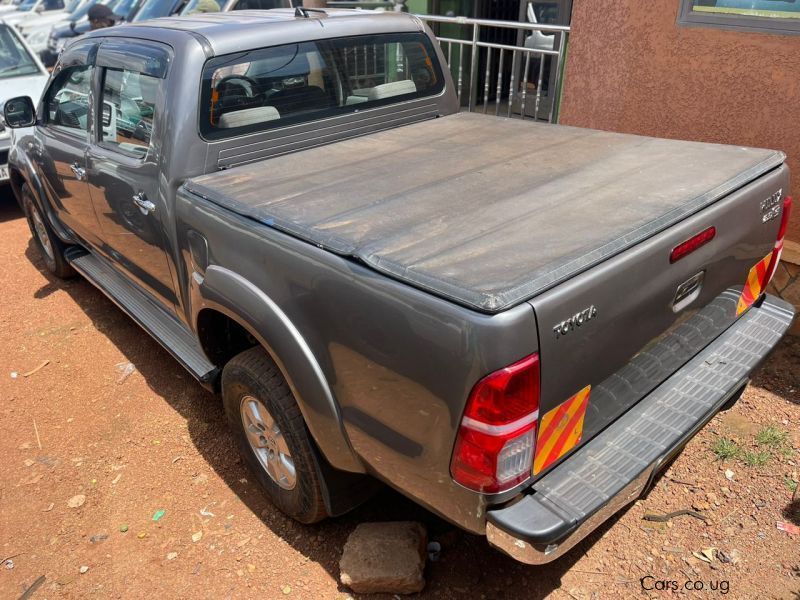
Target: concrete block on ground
385, 558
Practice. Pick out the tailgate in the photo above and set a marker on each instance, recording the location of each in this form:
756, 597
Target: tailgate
612, 470
624, 326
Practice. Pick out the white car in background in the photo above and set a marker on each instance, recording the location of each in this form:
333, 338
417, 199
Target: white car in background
8, 6
21, 74
36, 29
40, 11
47, 19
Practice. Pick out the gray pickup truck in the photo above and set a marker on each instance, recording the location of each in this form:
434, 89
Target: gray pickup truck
515, 324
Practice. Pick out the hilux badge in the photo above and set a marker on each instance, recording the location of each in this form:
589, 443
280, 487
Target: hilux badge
771, 207
574, 321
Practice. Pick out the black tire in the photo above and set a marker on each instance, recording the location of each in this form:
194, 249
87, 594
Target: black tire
253, 374
50, 247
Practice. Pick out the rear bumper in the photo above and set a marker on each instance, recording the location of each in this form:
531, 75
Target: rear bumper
614, 468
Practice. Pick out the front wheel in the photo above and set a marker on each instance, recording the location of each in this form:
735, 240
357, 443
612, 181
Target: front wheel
272, 435
50, 247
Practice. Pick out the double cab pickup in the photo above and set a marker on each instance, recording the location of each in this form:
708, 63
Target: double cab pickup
515, 324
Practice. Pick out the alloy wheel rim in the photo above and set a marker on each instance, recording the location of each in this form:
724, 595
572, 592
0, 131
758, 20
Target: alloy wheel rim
268, 442
41, 232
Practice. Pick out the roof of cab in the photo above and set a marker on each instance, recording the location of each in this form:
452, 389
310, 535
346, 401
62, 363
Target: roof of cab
238, 31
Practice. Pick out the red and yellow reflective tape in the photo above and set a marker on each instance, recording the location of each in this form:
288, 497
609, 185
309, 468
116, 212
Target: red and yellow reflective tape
560, 430
754, 285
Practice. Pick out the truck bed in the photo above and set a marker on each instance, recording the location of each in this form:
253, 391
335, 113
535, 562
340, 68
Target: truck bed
484, 211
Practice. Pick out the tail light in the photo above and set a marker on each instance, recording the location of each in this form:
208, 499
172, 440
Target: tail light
495, 443
776, 252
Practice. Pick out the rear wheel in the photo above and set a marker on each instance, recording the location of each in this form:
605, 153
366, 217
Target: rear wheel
50, 247
272, 435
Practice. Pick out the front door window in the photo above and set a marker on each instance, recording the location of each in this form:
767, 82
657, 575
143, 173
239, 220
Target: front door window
66, 117
67, 100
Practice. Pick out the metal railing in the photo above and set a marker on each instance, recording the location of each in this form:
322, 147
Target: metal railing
535, 60
495, 80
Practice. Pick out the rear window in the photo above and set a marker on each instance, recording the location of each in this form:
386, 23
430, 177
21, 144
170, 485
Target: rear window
297, 83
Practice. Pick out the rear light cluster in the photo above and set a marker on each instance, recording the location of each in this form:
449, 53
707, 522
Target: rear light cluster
496, 440
776, 252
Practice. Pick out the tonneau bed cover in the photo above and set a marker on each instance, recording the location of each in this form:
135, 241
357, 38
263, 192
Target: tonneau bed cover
485, 211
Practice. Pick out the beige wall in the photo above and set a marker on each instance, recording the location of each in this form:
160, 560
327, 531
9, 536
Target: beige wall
632, 68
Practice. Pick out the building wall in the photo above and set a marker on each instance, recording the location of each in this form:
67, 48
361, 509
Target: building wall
631, 68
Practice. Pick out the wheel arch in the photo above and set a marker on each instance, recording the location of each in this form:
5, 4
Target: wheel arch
21, 172
229, 305
17, 180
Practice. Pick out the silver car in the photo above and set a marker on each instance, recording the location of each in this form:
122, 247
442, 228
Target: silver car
20, 73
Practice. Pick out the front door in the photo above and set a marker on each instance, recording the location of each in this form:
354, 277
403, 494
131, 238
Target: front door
62, 139
123, 168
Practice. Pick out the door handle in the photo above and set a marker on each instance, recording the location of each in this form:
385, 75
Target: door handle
80, 172
143, 203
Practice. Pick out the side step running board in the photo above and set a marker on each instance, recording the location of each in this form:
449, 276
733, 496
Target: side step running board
166, 330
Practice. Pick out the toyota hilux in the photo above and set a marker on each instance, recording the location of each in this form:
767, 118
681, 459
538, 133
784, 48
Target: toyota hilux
515, 324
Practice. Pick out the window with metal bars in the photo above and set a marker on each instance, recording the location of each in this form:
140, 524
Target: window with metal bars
777, 16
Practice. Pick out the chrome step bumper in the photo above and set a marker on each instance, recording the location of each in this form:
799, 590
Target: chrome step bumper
614, 468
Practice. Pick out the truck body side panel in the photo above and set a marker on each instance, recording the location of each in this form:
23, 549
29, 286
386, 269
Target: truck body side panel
400, 363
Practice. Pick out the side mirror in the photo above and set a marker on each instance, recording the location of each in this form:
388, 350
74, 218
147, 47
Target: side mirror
19, 112
39, 8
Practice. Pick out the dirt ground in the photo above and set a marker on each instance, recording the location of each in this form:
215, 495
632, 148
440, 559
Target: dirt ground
156, 441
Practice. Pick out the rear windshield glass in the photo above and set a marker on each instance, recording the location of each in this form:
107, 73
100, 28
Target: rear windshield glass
296, 83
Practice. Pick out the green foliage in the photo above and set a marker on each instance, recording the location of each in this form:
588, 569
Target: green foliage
725, 448
772, 436
755, 459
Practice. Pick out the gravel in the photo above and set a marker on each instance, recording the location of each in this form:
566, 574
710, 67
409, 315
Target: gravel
93, 429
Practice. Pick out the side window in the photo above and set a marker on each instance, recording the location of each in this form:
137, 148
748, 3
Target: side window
67, 100
128, 101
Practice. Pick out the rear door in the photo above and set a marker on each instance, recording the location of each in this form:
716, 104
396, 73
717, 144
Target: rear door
123, 162
615, 332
